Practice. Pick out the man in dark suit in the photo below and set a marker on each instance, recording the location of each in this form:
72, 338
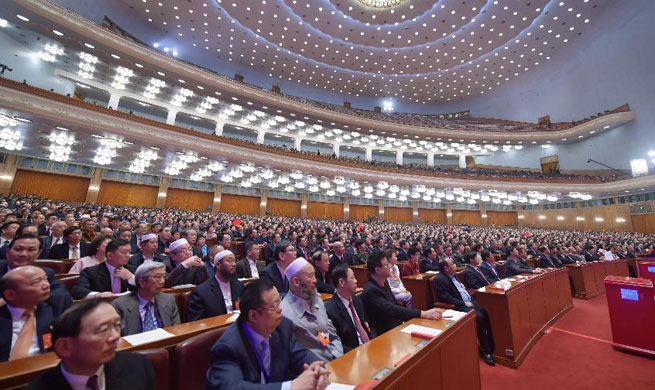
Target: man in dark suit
147, 252
85, 337
451, 291
429, 263
346, 310
191, 235
260, 350
402, 251
379, 303
72, 248
488, 267
135, 241
514, 265
546, 260
338, 257
219, 294
301, 248
250, 266
284, 254
473, 276
321, 262
270, 248
147, 308
30, 310
182, 266
113, 276
55, 238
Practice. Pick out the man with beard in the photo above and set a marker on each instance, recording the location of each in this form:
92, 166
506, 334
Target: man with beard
304, 307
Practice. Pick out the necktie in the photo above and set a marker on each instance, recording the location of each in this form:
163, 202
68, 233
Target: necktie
116, 283
92, 383
148, 320
481, 274
265, 354
74, 255
358, 323
25, 336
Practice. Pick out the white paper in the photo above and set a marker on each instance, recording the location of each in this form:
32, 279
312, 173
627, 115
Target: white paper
432, 272
421, 329
453, 314
148, 337
233, 317
181, 286
339, 386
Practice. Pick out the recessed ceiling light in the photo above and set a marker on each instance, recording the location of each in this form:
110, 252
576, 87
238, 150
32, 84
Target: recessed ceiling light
58, 33
116, 56
161, 73
22, 119
90, 46
21, 17
138, 65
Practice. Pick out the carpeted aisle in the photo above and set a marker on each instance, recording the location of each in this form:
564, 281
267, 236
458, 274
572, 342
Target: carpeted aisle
575, 354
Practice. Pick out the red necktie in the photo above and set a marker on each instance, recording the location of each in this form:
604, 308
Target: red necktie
358, 324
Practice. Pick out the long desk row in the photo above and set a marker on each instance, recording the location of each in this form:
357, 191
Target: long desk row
588, 277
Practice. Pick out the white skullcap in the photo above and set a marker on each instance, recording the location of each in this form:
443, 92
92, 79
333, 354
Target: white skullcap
85, 216
220, 255
148, 236
294, 267
176, 244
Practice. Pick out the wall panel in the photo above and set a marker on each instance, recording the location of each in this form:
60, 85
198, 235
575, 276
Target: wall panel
239, 204
398, 214
643, 223
285, 207
469, 217
323, 210
50, 185
127, 194
568, 218
502, 218
432, 215
360, 212
188, 199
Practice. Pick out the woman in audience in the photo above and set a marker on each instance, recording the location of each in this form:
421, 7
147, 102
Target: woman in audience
400, 294
95, 255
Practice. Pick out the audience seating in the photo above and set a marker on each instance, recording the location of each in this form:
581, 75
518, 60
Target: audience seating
58, 266
159, 358
191, 360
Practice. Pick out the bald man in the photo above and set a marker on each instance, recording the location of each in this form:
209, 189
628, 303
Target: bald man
25, 319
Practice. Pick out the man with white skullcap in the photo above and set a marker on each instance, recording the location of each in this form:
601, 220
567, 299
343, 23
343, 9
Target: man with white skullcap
218, 294
304, 307
182, 267
148, 251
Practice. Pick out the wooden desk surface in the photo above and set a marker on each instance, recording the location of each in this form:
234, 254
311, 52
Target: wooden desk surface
448, 361
588, 277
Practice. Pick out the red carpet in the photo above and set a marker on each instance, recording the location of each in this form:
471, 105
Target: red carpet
575, 354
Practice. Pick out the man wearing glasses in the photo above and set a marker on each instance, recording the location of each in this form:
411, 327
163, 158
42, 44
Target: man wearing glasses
284, 254
243, 357
147, 308
183, 267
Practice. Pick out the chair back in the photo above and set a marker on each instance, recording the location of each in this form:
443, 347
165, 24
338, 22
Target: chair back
58, 266
69, 281
191, 360
160, 363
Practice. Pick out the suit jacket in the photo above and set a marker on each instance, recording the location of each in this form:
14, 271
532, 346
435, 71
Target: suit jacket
427, 265
134, 246
383, 312
60, 251
127, 370
458, 259
488, 272
243, 267
97, 278
515, 267
272, 273
268, 253
42, 230
56, 288
340, 316
334, 261
177, 274
47, 245
474, 278
137, 259
127, 307
46, 312
409, 269
323, 283
448, 293
402, 255
547, 261
304, 253
207, 299
234, 364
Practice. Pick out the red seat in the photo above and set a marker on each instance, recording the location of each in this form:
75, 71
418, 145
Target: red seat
58, 266
191, 360
160, 363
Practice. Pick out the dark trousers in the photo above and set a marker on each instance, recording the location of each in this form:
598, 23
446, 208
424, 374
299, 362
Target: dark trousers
483, 327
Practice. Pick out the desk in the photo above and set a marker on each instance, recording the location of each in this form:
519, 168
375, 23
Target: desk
361, 274
448, 361
519, 315
588, 277
419, 286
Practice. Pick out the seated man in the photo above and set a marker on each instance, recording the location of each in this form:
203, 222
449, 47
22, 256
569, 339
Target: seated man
473, 276
379, 303
147, 308
304, 307
250, 266
72, 248
346, 310
242, 358
113, 276
546, 260
412, 265
452, 292
430, 263
220, 293
488, 267
25, 319
148, 252
321, 262
400, 294
183, 267
514, 265
283, 255
85, 337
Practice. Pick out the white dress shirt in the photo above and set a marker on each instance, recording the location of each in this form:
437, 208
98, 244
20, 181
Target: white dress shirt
78, 382
253, 268
142, 309
227, 294
17, 322
70, 251
346, 303
57, 241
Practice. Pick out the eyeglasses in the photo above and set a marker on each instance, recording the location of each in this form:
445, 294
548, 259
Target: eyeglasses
275, 307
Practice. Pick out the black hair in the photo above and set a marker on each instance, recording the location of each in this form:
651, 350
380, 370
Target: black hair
374, 261
339, 272
70, 230
27, 236
69, 323
115, 244
280, 248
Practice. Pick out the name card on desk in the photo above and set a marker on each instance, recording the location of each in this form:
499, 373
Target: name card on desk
432, 272
339, 386
148, 337
413, 328
453, 315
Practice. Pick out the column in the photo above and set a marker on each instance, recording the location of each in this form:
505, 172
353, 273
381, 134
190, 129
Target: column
170, 118
381, 209
462, 161
296, 143
218, 191
263, 202
261, 135
346, 208
399, 157
303, 205
520, 217
161, 194
449, 213
94, 186
114, 99
369, 154
219, 128
431, 159
335, 149
414, 204
483, 214
7, 174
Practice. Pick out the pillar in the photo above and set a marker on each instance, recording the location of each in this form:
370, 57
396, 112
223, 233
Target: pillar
114, 99
218, 191
414, 204
263, 202
381, 209
260, 137
520, 217
399, 157
431, 159
483, 214
346, 208
449, 213
170, 118
335, 149
462, 161
296, 143
369, 154
7, 174
303, 205
94, 186
219, 128
161, 194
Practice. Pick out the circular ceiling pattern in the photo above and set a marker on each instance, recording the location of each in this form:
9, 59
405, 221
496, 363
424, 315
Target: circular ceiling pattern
419, 51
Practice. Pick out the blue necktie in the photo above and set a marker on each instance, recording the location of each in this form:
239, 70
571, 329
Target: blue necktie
148, 320
266, 359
